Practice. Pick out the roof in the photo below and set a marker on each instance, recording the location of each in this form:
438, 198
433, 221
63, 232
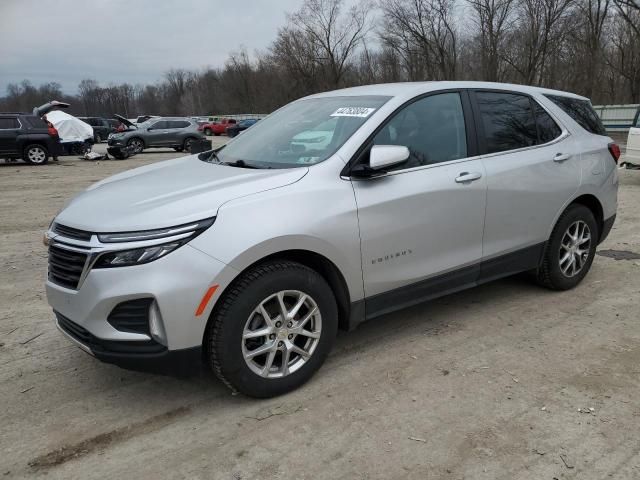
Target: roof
410, 89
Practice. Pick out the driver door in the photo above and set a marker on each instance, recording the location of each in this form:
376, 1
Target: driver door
157, 134
633, 142
421, 223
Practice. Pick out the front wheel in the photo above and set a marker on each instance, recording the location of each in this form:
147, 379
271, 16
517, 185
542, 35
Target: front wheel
207, 131
97, 138
272, 329
136, 145
570, 250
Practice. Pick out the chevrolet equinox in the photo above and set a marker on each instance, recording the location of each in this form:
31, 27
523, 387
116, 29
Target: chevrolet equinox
251, 256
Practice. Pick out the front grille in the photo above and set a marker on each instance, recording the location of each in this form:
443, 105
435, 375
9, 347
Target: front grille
131, 316
65, 266
71, 232
114, 347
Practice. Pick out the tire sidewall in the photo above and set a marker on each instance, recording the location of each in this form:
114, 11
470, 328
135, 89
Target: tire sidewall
232, 363
31, 147
571, 215
134, 140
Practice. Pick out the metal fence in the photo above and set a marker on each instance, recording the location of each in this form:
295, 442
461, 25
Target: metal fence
617, 118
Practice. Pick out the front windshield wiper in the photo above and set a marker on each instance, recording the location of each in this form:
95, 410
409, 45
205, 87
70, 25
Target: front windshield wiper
240, 164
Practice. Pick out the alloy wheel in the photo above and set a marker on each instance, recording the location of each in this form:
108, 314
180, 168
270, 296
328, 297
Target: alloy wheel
574, 248
36, 155
281, 334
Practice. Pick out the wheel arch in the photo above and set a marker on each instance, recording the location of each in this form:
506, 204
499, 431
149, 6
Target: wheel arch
317, 262
592, 203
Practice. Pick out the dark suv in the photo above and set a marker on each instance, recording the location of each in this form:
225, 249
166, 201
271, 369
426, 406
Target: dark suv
101, 127
25, 136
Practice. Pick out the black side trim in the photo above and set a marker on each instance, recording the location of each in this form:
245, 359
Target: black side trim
511, 263
607, 225
419, 292
519, 261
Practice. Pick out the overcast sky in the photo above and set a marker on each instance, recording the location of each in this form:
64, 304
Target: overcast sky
127, 40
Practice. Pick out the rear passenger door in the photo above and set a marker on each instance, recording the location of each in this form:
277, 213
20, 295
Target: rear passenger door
177, 131
532, 167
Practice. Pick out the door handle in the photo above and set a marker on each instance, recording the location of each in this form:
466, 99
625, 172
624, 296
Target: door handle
561, 157
466, 177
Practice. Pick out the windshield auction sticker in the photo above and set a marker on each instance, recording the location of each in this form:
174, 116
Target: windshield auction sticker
362, 112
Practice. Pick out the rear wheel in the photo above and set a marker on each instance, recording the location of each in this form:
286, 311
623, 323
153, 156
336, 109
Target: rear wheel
97, 138
187, 143
35, 154
273, 329
570, 251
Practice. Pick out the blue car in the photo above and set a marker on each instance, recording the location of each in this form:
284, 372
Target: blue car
241, 126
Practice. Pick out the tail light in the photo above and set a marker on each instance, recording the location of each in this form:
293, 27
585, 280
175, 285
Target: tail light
614, 150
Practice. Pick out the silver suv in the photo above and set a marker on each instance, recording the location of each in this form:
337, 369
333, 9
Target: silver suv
337, 208
174, 132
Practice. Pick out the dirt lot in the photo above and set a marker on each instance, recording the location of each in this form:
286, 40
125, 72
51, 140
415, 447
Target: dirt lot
505, 381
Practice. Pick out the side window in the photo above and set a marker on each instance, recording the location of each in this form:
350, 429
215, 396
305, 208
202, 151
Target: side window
177, 124
507, 120
548, 129
636, 123
8, 123
161, 125
432, 128
581, 111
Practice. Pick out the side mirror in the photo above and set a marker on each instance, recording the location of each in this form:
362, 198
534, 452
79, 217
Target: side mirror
383, 156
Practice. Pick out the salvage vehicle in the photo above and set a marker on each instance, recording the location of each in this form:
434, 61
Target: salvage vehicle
175, 132
632, 155
25, 136
241, 126
101, 127
252, 256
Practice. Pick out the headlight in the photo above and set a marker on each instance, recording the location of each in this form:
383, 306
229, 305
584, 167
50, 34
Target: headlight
139, 256
189, 230
175, 236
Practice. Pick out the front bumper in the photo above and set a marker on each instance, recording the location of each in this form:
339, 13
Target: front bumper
177, 283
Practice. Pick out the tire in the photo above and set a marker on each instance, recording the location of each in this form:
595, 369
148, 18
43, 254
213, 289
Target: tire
35, 154
136, 144
555, 274
97, 138
187, 144
178, 149
207, 131
239, 308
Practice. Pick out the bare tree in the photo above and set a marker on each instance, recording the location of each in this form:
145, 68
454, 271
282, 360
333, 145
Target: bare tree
492, 19
334, 34
423, 33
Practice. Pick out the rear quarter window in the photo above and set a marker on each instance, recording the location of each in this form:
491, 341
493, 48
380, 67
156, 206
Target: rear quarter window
35, 122
581, 111
8, 123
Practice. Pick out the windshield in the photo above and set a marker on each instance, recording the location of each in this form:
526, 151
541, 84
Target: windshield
302, 133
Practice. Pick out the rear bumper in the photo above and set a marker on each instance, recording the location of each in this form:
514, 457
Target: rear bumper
607, 225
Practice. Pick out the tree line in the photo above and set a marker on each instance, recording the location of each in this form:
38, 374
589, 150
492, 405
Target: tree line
590, 47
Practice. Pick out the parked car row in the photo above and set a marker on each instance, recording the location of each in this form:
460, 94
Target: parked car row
226, 126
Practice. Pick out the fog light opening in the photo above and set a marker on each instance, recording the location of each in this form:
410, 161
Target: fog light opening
156, 327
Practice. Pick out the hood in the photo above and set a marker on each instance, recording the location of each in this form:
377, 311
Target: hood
167, 194
125, 121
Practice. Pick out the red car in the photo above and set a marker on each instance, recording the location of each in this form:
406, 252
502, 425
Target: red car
217, 128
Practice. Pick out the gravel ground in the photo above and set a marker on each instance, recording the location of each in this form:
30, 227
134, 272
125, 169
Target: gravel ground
504, 381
